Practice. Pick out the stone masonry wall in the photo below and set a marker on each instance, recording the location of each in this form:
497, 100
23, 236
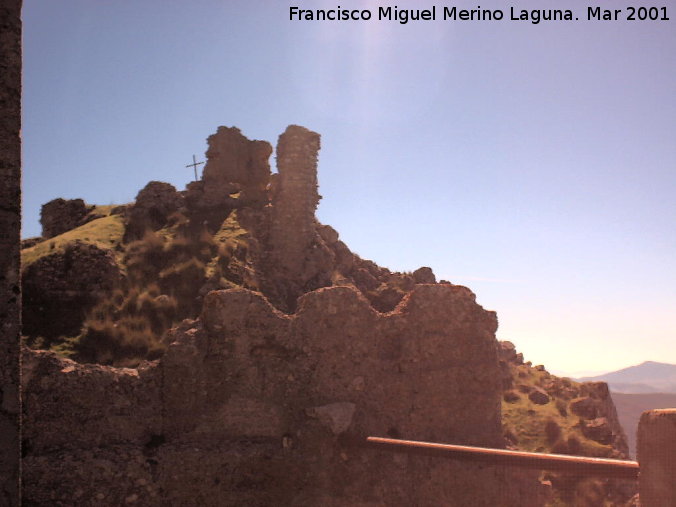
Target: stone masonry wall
62, 215
297, 258
293, 228
251, 406
235, 163
10, 229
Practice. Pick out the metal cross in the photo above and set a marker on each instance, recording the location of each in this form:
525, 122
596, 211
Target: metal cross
194, 165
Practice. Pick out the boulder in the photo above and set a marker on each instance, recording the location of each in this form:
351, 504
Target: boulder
424, 275
598, 430
538, 396
511, 396
585, 407
507, 351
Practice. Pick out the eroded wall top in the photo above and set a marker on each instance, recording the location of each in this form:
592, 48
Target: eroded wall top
252, 406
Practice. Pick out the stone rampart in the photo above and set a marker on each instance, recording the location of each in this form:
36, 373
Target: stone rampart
251, 406
62, 215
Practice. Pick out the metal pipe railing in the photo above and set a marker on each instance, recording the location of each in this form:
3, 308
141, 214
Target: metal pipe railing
579, 465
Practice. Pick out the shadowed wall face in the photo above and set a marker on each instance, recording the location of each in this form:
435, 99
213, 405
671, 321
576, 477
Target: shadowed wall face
251, 406
10, 227
657, 457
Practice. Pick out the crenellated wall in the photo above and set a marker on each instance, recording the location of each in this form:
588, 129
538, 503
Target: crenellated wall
251, 406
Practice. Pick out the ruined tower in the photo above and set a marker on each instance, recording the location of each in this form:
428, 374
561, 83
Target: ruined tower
236, 164
293, 228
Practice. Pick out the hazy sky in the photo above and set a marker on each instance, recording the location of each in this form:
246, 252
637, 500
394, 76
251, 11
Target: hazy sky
534, 163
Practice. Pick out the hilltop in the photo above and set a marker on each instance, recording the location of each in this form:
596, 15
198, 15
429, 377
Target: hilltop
226, 313
647, 377
105, 283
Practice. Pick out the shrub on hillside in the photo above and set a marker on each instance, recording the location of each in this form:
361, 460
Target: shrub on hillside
183, 281
145, 257
184, 247
125, 328
552, 431
125, 342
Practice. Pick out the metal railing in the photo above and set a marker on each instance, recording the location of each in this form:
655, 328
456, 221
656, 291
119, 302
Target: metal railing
579, 465
656, 452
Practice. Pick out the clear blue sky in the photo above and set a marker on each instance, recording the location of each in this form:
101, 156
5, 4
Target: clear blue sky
535, 164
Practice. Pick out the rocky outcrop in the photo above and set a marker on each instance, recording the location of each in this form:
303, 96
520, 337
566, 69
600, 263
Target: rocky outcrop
577, 419
424, 275
152, 208
599, 417
598, 430
58, 289
30, 242
62, 215
251, 406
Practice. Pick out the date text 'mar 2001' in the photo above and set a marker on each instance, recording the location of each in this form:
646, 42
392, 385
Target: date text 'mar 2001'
632, 14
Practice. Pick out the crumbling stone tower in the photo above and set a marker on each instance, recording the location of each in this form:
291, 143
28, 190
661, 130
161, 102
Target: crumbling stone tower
295, 199
62, 215
235, 164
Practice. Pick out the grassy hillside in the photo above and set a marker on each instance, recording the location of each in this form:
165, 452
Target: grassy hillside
540, 414
105, 232
162, 275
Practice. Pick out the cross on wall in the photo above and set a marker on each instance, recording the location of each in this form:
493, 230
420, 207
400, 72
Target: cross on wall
194, 165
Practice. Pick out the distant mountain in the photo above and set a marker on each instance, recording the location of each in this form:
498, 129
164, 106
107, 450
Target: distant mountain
647, 377
630, 407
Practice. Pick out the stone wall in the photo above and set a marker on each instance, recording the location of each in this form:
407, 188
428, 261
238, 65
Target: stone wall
657, 456
235, 164
295, 199
60, 288
10, 229
62, 215
251, 406
298, 259
236, 175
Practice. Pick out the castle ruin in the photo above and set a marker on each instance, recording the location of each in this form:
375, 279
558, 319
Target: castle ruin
266, 398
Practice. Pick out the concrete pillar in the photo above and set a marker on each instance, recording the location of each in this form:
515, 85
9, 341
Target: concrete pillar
657, 458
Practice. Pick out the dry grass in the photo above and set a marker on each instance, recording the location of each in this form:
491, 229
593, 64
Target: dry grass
104, 232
